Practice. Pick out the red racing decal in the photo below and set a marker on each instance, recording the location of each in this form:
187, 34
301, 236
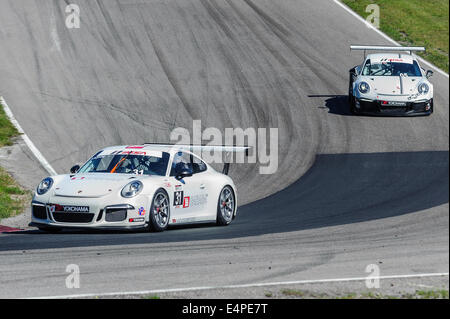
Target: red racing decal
133, 153
186, 202
134, 146
56, 208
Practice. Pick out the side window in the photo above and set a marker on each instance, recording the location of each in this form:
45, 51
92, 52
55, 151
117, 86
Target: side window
417, 71
198, 165
366, 70
181, 161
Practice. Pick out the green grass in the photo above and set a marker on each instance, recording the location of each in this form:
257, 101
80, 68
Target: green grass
413, 22
293, 293
12, 197
418, 294
7, 130
151, 297
303, 294
432, 294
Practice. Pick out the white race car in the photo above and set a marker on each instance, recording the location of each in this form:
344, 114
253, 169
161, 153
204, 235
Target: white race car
390, 83
145, 186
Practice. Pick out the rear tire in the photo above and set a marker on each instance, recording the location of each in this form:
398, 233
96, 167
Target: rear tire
226, 206
159, 211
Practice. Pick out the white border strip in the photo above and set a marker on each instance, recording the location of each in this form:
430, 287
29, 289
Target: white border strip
149, 292
26, 139
370, 26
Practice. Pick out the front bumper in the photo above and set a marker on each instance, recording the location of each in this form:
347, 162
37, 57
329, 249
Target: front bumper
394, 108
100, 215
108, 227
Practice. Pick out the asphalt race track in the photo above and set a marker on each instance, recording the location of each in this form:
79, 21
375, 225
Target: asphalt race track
349, 190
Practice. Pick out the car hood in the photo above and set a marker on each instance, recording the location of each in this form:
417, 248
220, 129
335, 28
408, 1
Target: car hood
393, 85
92, 185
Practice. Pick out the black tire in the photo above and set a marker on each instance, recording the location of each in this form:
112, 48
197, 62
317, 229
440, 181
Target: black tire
351, 98
51, 230
226, 208
159, 212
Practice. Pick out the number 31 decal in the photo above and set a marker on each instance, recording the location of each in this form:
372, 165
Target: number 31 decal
178, 198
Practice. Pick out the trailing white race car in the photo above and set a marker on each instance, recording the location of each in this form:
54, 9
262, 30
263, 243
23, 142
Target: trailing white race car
390, 83
145, 186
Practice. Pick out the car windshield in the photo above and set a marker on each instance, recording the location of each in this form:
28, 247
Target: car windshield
127, 164
391, 69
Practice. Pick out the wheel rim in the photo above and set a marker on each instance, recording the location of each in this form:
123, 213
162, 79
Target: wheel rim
161, 210
227, 203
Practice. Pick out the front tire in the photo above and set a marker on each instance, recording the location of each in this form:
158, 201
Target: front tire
159, 211
226, 206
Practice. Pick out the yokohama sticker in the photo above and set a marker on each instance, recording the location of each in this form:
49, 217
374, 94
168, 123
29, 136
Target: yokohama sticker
68, 209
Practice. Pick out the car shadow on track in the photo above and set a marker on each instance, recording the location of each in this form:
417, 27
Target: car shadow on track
79, 231
336, 104
338, 189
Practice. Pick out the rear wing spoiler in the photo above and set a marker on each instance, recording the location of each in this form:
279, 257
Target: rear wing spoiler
385, 48
227, 149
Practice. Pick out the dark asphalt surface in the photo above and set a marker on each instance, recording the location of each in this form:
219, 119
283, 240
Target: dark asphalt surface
349, 191
405, 183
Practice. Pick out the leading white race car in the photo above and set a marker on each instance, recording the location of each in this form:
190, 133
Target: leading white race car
390, 83
130, 187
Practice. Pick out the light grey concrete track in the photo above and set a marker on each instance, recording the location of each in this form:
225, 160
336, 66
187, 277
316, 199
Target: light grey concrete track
137, 69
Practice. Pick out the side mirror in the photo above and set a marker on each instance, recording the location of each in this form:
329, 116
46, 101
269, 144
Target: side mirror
429, 74
184, 173
75, 169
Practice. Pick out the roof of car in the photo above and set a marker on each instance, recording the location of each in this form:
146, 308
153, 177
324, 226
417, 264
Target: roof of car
146, 149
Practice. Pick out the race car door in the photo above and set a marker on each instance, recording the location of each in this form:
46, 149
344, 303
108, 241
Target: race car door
190, 194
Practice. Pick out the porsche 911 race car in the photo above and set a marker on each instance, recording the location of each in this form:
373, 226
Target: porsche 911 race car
147, 186
390, 83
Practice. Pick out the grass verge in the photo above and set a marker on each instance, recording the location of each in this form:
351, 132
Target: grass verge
418, 294
13, 198
413, 22
7, 130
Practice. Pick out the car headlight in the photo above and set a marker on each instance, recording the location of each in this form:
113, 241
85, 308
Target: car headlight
132, 189
44, 186
423, 88
364, 87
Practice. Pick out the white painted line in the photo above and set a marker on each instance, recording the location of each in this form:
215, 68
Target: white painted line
370, 26
26, 139
264, 284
